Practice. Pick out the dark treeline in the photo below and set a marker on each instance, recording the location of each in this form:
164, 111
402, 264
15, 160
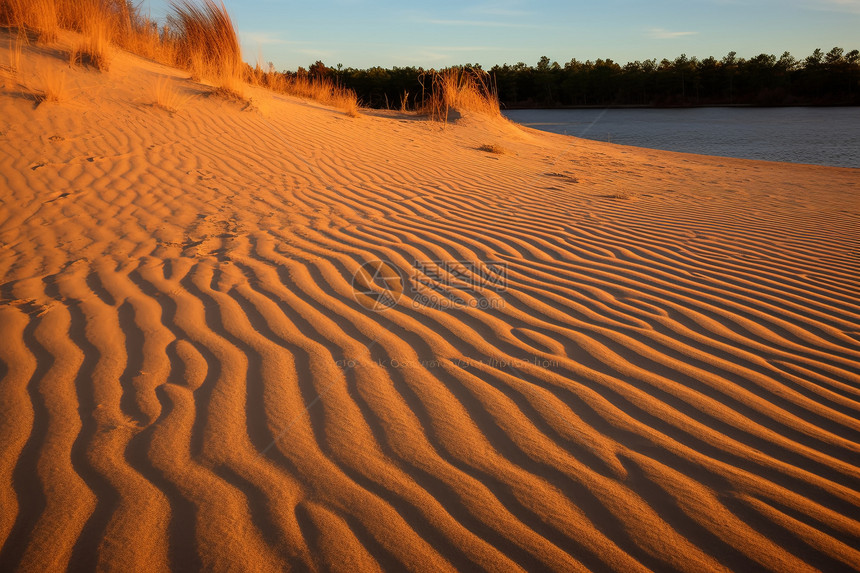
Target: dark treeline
831, 78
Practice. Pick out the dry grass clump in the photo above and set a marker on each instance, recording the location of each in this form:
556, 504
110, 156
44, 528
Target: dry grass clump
460, 89
199, 36
493, 148
322, 90
303, 85
16, 43
53, 85
98, 26
167, 97
349, 104
207, 44
148, 41
100, 22
37, 16
232, 88
563, 176
623, 195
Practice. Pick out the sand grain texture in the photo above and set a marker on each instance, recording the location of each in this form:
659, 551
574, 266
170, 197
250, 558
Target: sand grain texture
668, 382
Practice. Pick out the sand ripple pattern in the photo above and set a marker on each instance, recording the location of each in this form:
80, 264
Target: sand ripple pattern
668, 382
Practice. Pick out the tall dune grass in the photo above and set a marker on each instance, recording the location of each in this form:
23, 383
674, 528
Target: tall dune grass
460, 89
53, 85
207, 44
168, 97
198, 36
99, 25
322, 90
16, 44
37, 16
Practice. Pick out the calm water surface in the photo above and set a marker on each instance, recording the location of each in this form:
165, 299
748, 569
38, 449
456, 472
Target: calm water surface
822, 136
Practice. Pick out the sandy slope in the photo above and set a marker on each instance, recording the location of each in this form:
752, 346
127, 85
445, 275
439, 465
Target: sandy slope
669, 381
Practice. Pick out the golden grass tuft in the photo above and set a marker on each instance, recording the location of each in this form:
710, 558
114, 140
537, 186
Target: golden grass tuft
37, 16
16, 44
167, 97
199, 36
233, 91
53, 85
459, 90
493, 148
349, 104
207, 44
97, 26
623, 195
322, 90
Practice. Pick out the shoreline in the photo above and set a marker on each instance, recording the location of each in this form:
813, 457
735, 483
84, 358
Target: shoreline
691, 106
756, 133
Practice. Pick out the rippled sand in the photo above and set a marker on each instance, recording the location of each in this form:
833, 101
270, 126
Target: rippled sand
666, 378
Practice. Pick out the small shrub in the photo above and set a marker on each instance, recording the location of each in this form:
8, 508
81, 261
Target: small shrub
493, 148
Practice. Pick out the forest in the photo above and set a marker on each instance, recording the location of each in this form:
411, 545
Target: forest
831, 78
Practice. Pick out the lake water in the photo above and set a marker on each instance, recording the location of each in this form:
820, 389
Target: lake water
822, 136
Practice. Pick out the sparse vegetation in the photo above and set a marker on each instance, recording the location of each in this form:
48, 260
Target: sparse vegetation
322, 90
563, 176
460, 89
493, 148
304, 85
622, 195
167, 97
39, 17
198, 36
16, 42
97, 28
53, 85
207, 44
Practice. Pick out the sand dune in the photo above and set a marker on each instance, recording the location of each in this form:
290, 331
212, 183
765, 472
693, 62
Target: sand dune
667, 379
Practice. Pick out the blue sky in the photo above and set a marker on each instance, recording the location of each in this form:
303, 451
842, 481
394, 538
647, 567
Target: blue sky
364, 33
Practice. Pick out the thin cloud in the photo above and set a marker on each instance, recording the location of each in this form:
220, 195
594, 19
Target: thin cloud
661, 34
850, 6
460, 48
511, 10
320, 54
477, 23
264, 39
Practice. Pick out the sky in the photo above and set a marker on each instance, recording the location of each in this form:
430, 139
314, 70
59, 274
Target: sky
366, 33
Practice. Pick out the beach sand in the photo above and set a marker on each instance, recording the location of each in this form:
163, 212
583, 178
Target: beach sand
642, 361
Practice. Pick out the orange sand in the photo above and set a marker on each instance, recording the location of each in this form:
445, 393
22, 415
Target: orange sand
188, 380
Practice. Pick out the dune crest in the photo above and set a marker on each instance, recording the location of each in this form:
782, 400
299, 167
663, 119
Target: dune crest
665, 378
